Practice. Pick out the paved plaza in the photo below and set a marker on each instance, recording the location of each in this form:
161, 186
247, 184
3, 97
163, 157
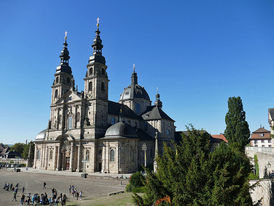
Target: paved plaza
92, 186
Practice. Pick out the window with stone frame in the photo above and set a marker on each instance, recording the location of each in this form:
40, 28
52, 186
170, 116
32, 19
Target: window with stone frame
70, 122
90, 86
87, 155
50, 154
112, 155
57, 80
38, 154
56, 93
78, 116
90, 71
103, 86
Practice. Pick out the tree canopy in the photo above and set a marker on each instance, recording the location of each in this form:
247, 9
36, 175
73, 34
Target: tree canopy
237, 130
192, 173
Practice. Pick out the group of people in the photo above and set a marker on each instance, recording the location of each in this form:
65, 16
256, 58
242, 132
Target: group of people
13, 188
34, 199
75, 193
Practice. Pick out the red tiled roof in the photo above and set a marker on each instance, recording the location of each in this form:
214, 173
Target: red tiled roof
261, 133
219, 136
261, 130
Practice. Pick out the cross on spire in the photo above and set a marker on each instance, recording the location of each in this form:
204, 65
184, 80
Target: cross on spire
98, 20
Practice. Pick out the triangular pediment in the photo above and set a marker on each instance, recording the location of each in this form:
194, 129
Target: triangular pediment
70, 96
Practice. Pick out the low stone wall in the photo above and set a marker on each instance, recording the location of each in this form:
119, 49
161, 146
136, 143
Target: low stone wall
13, 160
265, 157
263, 191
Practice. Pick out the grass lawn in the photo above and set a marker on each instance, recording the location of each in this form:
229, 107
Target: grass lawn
124, 199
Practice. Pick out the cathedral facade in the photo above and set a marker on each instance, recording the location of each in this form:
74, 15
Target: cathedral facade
89, 133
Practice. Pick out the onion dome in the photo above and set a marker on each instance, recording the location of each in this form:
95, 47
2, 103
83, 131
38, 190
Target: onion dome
64, 59
97, 48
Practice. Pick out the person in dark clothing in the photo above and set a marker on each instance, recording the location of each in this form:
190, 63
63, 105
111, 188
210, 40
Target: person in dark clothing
45, 185
23, 189
22, 199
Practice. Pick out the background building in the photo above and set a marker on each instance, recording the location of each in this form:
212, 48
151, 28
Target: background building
261, 138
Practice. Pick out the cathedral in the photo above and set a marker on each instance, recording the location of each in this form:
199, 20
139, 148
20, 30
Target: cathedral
89, 133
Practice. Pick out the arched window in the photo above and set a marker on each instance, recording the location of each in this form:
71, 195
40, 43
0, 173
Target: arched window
112, 155
103, 72
68, 80
56, 93
50, 154
90, 71
38, 154
90, 86
57, 80
103, 86
87, 155
70, 122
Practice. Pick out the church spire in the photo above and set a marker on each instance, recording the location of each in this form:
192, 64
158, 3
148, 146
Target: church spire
158, 102
134, 79
64, 56
97, 47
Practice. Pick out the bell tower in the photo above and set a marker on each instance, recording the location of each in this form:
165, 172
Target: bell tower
96, 88
63, 79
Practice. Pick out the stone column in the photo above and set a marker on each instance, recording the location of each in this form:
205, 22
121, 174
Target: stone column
71, 160
46, 157
34, 161
79, 160
54, 157
59, 163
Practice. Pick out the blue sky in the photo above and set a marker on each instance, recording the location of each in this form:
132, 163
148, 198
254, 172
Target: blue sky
198, 53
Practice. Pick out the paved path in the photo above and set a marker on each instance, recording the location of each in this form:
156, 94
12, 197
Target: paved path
92, 186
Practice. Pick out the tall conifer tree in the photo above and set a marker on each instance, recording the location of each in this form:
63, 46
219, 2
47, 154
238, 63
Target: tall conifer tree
193, 173
237, 130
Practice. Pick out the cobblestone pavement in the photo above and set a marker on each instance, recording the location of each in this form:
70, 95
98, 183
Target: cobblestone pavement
92, 186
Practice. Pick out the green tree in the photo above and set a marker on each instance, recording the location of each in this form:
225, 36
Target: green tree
18, 147
26, 150
237, 130
191, 173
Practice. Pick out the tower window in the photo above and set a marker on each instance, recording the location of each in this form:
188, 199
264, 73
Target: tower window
103, 72
90, 86
56, 93
68, 80
102, 86
70, 122
112, 155
90, 71
57, 80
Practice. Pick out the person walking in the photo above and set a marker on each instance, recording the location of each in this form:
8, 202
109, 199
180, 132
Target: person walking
23, 189
81, 194
22, 199
45, 185
14, 196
